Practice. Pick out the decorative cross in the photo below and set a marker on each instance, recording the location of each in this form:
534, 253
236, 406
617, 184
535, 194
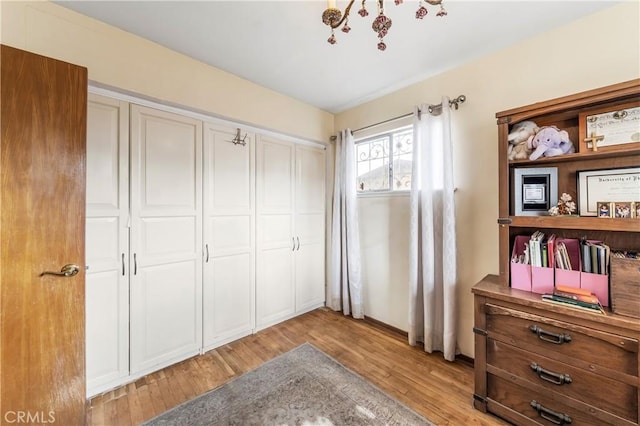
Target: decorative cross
594, 141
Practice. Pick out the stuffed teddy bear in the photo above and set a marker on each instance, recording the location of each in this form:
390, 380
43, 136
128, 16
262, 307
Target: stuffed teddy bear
520, 133
549, 141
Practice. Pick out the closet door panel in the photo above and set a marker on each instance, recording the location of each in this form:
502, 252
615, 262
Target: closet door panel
103, 234
105, 342
107, 244
231, 173
166, 303
275, 164
232, 234
275, 287
310, 179
107, 125
170, 237
168, 166
310, 227
166, 239
227, 297
275, 291
309, 276
276, 231
229, 236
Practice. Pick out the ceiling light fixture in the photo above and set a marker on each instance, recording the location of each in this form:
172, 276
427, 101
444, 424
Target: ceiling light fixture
333, 17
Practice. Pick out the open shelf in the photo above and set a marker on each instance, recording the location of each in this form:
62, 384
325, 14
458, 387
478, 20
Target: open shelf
576, 222
599, 155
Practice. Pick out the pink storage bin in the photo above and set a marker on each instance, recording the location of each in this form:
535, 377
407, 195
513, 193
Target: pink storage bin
597, 284
568, 278
542, 280
520, 274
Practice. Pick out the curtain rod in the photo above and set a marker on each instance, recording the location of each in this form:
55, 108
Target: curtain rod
400, 117
454, 103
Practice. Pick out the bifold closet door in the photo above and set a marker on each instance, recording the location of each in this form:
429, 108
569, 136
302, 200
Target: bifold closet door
229, 236
310, 226
107, 243
166, 238
275, 288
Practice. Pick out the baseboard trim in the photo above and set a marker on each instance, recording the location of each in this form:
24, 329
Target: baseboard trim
381, 325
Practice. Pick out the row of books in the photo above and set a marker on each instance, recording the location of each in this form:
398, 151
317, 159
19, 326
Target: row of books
574, 298
564, 253
595, 257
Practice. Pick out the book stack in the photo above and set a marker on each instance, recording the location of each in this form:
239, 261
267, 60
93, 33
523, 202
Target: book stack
575, 298
595, 257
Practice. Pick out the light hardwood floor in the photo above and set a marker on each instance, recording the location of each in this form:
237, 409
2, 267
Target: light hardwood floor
439, 390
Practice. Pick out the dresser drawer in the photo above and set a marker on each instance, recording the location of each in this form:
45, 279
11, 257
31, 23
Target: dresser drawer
555, 376
543, 407
595, 350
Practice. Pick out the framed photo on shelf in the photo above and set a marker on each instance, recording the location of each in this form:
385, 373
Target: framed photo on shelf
604, 209
622, 210
607, 185
535, 189
635, 212
609, 129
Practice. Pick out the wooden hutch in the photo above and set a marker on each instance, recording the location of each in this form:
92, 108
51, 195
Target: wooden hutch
535, 362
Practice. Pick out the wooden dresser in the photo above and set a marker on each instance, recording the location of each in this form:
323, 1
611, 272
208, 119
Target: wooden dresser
561, 366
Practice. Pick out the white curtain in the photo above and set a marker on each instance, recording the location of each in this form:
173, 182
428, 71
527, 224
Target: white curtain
345, 281
432, 251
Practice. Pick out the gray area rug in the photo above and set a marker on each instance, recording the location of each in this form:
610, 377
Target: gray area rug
302, 387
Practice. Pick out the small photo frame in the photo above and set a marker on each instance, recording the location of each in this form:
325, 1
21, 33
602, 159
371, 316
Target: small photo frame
635, 212
604, 209
621, 209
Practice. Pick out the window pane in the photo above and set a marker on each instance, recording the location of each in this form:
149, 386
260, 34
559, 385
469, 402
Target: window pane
373, 165
402, 160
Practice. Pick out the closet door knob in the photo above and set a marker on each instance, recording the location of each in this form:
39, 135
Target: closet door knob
298, 239
293, 240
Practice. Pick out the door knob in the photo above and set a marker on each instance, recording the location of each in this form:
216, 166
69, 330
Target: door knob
67, 271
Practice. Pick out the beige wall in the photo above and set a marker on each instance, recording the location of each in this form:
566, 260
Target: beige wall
124, 61
595, 51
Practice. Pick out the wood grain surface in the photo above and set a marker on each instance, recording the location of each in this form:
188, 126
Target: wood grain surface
42, 191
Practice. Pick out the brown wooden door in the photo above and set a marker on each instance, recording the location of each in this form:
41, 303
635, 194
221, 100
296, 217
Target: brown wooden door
42, 205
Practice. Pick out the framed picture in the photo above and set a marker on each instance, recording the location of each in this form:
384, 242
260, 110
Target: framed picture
622, 210
604, 209
619, 185
635, 212
610, 129
535, 190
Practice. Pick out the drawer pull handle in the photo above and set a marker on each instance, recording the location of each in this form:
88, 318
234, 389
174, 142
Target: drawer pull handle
547, 336
551, 377
552, 416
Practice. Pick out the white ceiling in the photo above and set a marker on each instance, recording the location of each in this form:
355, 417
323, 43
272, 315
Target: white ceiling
283, 45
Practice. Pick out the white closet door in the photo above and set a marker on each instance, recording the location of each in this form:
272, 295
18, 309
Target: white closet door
275, 290
229, 237
107, 244
166, 238
310, 225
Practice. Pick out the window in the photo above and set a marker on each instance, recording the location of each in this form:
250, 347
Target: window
383, 162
